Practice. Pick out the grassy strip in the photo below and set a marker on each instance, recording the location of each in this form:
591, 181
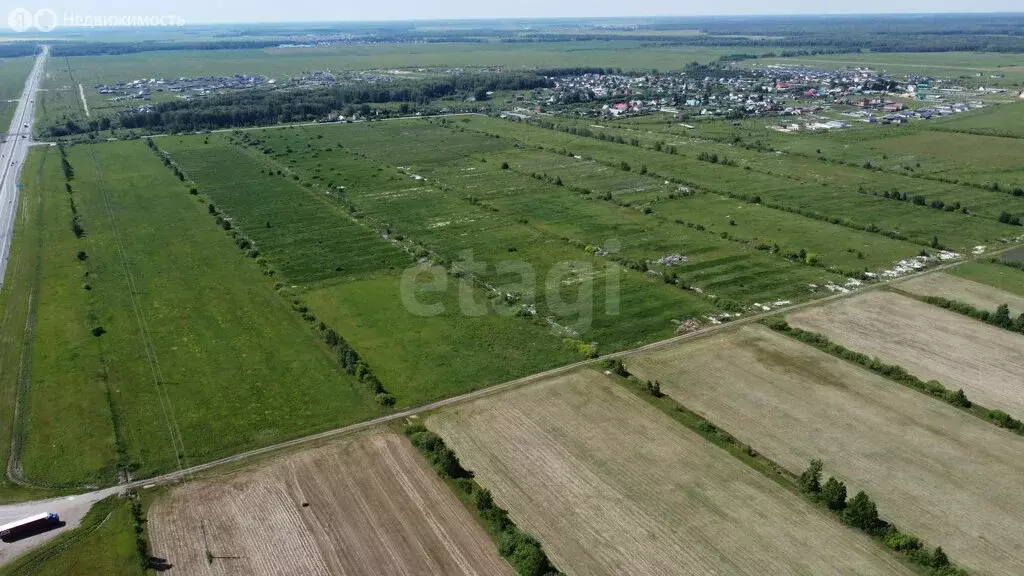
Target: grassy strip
522, 550
860, 512
898, 374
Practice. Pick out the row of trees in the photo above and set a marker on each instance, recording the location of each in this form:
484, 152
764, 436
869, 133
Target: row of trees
522, 550
861, 512
899, 374
256, 107
1001, 317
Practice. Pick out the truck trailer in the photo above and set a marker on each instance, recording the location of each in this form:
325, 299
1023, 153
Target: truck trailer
28, 526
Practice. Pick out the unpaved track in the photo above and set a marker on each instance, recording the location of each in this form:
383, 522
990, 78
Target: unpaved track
935, 471
930, 342
374, 507
610, 486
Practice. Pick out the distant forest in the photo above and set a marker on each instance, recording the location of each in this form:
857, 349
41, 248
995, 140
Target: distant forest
881, 33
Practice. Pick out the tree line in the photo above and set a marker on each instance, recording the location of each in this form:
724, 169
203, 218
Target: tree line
256, 107
860, 512
522, 550
933, 388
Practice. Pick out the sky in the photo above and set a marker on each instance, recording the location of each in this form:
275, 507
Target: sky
238, 11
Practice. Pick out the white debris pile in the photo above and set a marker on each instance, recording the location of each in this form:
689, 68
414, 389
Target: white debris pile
918, 263
978, 250
688, 325
719, 318
905, 267
832, 287
672, 259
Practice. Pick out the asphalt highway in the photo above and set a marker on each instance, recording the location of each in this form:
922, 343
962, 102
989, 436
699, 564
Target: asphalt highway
13, 151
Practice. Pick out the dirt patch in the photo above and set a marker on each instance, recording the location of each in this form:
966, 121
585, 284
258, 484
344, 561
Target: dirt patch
610, 485
930, 342
975, 293
934, 471
365, 506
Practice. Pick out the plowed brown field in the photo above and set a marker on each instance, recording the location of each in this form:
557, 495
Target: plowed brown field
374, 507
935, 471
930, 342
610, 485
974, 293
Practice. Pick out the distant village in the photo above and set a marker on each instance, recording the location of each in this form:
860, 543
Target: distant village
800, 94
858, 95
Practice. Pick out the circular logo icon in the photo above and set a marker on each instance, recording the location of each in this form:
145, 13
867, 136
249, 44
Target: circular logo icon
45, 20
19, 20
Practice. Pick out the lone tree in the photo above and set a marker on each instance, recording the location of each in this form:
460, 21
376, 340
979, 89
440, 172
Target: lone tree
834, 494
810, 480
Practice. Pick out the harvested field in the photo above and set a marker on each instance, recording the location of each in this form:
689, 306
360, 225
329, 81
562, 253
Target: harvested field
375, 507
612, 486
930, 342
936, 472
954, 288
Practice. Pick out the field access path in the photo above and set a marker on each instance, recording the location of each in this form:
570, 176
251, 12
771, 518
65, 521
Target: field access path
12, 157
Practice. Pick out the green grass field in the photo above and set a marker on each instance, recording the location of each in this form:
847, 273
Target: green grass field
1006, 120
196, 343
892, 151
832, 191
997, 275
13, 73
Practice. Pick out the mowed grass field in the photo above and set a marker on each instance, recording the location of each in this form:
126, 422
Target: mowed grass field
935, 471
961, 289
611, 486
368, 505
930, 342
198, 357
